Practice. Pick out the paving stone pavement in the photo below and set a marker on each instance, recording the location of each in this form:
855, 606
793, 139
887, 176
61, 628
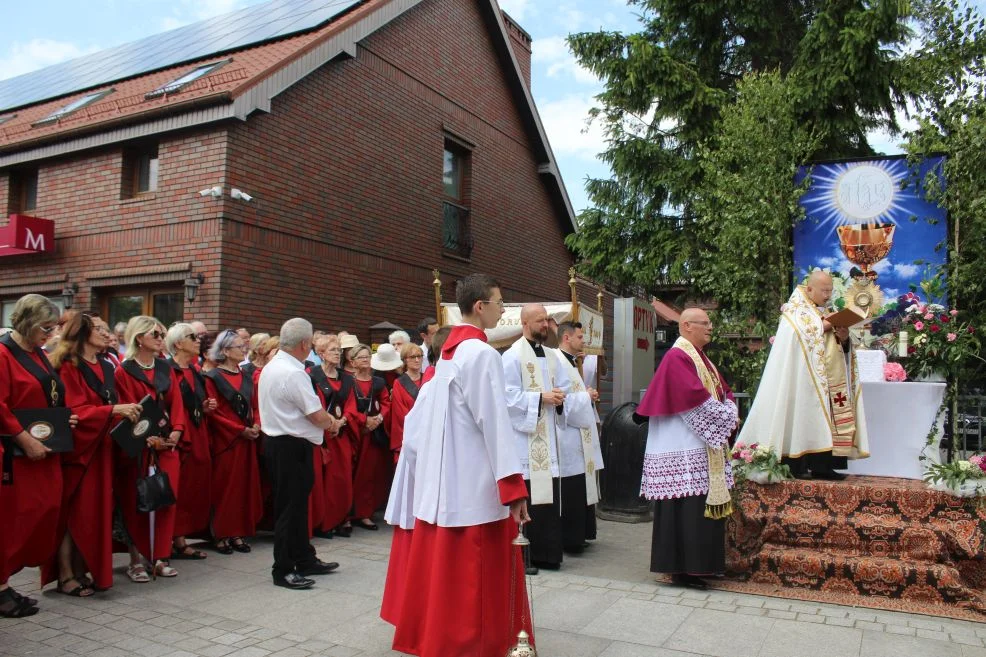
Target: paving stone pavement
603, 603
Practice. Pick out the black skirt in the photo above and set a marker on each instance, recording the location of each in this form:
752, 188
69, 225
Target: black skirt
578, 519
685, 541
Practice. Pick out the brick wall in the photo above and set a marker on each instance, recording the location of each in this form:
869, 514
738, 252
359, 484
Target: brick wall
346, 171
520, 42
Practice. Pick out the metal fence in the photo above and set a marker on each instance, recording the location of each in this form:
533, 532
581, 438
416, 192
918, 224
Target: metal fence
970, 428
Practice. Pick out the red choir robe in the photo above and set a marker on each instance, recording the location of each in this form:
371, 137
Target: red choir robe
339, 451
127, 470
442, 571
87, 474
238, 502
29, 508
401, 403
374, 464
195, 501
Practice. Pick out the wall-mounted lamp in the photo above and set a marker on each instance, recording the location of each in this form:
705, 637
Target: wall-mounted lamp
192, 284
68, 294
214, 192
240, 195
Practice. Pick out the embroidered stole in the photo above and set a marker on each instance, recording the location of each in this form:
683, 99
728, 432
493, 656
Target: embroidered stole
538, 448
718, 501
591, 491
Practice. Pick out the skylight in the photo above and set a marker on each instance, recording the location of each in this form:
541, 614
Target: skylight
75, 105
187, 78
7, 117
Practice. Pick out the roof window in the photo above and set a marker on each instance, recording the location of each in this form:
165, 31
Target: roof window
193, 75
74, 106
7, 117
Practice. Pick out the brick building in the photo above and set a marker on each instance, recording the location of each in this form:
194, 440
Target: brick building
390, 139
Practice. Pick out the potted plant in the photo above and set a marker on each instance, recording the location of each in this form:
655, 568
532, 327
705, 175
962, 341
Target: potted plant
958, 478
758, 463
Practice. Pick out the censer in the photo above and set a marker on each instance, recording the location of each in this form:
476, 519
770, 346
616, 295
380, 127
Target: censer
523, 647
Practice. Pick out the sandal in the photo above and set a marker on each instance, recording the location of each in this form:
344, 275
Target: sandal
239, 545
163, 569
138, 574
87, 582
366, 523
222, 547
80, 590
344, 530
23, 598
14, 605
187, 552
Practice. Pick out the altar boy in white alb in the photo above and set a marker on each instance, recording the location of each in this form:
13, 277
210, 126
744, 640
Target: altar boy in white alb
536, 384
579, 456
454, 577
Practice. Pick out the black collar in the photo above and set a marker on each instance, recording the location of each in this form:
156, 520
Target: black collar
570, 357
537, 347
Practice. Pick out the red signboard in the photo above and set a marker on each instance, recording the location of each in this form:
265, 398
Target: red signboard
24, 235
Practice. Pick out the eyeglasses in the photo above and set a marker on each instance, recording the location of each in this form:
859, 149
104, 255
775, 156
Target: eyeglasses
47, 330
418, 357
498, 302
363, 357
236, 346
702, 323
192, 336
157, 335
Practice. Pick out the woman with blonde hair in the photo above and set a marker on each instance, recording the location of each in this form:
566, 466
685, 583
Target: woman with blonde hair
403, 394
374, 465
31, 491
86, 521
257, 340
195, 499
142, 373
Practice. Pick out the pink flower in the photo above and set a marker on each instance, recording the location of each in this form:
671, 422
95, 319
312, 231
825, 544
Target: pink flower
918, 326
929, 316
746, 455
975, 460
754, 446
772, 338
953, 312
894, 372
951, 337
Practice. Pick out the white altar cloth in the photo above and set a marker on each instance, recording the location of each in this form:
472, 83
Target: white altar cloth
898, 418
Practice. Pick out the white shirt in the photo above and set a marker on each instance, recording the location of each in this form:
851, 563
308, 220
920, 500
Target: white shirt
285, 397
426, 353
457, 445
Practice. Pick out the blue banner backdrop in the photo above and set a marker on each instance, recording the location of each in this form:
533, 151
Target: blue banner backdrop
870, 218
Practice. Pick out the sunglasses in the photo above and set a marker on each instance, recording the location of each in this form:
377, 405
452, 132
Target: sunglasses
157, 335
192, 336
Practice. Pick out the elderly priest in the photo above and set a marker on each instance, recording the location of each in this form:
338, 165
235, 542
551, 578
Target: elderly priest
809, 408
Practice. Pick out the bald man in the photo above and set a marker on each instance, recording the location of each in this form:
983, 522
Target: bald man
809, 407
687, 473
537, 382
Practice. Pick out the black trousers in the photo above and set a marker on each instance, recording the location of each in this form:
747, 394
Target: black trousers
820, 462
545, 529
289, 462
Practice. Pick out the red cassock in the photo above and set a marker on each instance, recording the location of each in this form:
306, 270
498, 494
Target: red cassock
131, 390
29, 508
87, 474
238, 502
195, 500
475, 569
374, 464
337, 478
401, 403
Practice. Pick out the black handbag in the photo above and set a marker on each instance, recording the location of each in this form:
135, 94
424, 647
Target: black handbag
154, 491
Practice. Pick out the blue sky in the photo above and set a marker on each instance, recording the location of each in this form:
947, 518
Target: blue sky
45, 32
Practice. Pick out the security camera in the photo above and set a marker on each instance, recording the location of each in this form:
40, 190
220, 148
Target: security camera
240, 195
214, 192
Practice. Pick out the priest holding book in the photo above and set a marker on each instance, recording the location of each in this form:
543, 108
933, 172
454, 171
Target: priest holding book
809, 407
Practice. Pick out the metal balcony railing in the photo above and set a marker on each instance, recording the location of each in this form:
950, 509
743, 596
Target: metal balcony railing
456, 230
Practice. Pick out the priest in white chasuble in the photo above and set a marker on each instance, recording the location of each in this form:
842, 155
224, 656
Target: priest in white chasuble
536, 384
455, 583
809, 406
580, 455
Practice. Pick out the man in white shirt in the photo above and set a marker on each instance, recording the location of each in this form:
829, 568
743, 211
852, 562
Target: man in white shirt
427, 328
293, 421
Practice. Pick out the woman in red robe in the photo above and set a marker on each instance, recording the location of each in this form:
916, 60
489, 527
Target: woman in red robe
141, 374
194, 504
337, 391
238, 502
403, 394
85, 524
32, 484
374, 464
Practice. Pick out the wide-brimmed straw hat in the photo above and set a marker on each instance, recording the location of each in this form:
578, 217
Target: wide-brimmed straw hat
386, 359
348, 341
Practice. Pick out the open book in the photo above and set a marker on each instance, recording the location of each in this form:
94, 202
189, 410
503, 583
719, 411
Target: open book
848, 317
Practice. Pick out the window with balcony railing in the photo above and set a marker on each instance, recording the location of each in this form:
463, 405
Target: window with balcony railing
457, 239
456, 232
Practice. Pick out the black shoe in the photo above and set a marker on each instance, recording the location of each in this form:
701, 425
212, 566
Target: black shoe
345, 532
531, 570
829, 475
294, 581
689, 581
317, 567
321, 533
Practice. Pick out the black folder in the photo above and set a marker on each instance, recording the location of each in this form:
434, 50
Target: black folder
49, 426
132, 436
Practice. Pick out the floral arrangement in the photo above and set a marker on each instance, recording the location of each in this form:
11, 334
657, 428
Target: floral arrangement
960, 478
758, 463
894, 372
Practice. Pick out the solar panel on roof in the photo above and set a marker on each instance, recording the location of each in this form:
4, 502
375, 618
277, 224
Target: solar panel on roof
234, 31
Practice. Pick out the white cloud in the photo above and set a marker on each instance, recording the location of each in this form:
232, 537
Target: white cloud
565, 122
554, 55
23, 58
907, 271
516, 8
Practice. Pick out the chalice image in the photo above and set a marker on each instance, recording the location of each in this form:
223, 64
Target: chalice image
865, 245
